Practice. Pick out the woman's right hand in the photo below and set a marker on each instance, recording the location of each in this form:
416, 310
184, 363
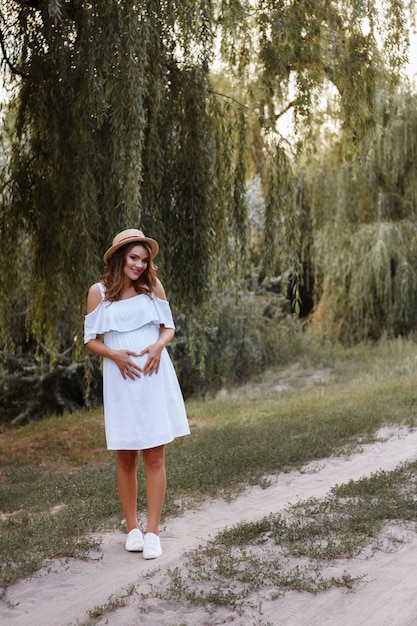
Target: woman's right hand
127, 368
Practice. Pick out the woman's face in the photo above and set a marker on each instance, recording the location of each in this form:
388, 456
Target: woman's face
136, 262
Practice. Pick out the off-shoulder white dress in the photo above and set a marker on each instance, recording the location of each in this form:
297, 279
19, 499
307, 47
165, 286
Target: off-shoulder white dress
148, 411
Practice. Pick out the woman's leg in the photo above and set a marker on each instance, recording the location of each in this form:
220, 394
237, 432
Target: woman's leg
154, 463
127, 484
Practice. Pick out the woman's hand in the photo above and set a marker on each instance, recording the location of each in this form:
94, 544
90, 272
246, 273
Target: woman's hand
127, 368
154, 358
154, 350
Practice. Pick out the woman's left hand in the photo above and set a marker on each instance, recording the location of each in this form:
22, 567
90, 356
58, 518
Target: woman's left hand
154, 350
154, 358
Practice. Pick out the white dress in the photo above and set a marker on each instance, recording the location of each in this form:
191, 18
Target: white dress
148, 411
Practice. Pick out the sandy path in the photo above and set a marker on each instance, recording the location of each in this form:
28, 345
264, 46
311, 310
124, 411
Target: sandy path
63, 594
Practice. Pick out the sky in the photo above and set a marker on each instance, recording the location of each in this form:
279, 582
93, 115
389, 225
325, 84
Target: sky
411, 68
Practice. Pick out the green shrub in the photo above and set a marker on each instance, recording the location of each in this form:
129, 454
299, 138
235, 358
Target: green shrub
249, 334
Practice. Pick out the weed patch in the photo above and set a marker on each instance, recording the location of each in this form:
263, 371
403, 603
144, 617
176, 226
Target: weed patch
114, 603
251, 562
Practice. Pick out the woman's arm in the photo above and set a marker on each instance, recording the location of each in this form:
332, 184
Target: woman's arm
96, 346
166, 335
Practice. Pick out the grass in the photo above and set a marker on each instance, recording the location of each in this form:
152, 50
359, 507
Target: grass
292, 551
114, 603
58, 480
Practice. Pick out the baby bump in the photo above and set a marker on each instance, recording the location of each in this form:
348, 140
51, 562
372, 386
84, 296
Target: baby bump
134, 340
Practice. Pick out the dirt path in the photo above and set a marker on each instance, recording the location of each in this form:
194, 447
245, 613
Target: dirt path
63, 594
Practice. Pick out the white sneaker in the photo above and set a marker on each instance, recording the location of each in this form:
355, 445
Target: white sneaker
134, 541
151, 546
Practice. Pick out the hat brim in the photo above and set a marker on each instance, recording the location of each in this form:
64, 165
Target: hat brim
153, 245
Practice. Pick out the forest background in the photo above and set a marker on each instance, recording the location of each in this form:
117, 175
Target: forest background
269, 146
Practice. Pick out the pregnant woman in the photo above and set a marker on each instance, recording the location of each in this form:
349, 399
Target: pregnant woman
129, 323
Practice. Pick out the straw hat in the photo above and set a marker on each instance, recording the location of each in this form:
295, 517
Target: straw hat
131, 235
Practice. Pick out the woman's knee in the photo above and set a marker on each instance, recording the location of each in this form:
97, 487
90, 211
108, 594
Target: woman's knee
127, 460
154, 459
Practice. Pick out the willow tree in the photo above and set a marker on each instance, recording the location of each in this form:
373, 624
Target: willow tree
364, 230
116, 123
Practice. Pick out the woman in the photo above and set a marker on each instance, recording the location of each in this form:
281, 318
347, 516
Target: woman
143, 405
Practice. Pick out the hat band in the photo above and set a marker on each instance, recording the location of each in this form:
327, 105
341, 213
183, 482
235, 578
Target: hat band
129, 237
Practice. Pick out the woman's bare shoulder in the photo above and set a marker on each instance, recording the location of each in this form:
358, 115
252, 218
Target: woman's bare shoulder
158, 290
94, 297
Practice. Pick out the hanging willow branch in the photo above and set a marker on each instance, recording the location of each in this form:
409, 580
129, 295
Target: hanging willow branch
118, 124
365, 254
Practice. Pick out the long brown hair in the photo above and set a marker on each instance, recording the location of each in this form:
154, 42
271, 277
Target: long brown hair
113, 278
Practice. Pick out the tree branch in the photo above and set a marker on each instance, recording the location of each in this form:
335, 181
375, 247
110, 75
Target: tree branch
9, 64
248, 108
29, 3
